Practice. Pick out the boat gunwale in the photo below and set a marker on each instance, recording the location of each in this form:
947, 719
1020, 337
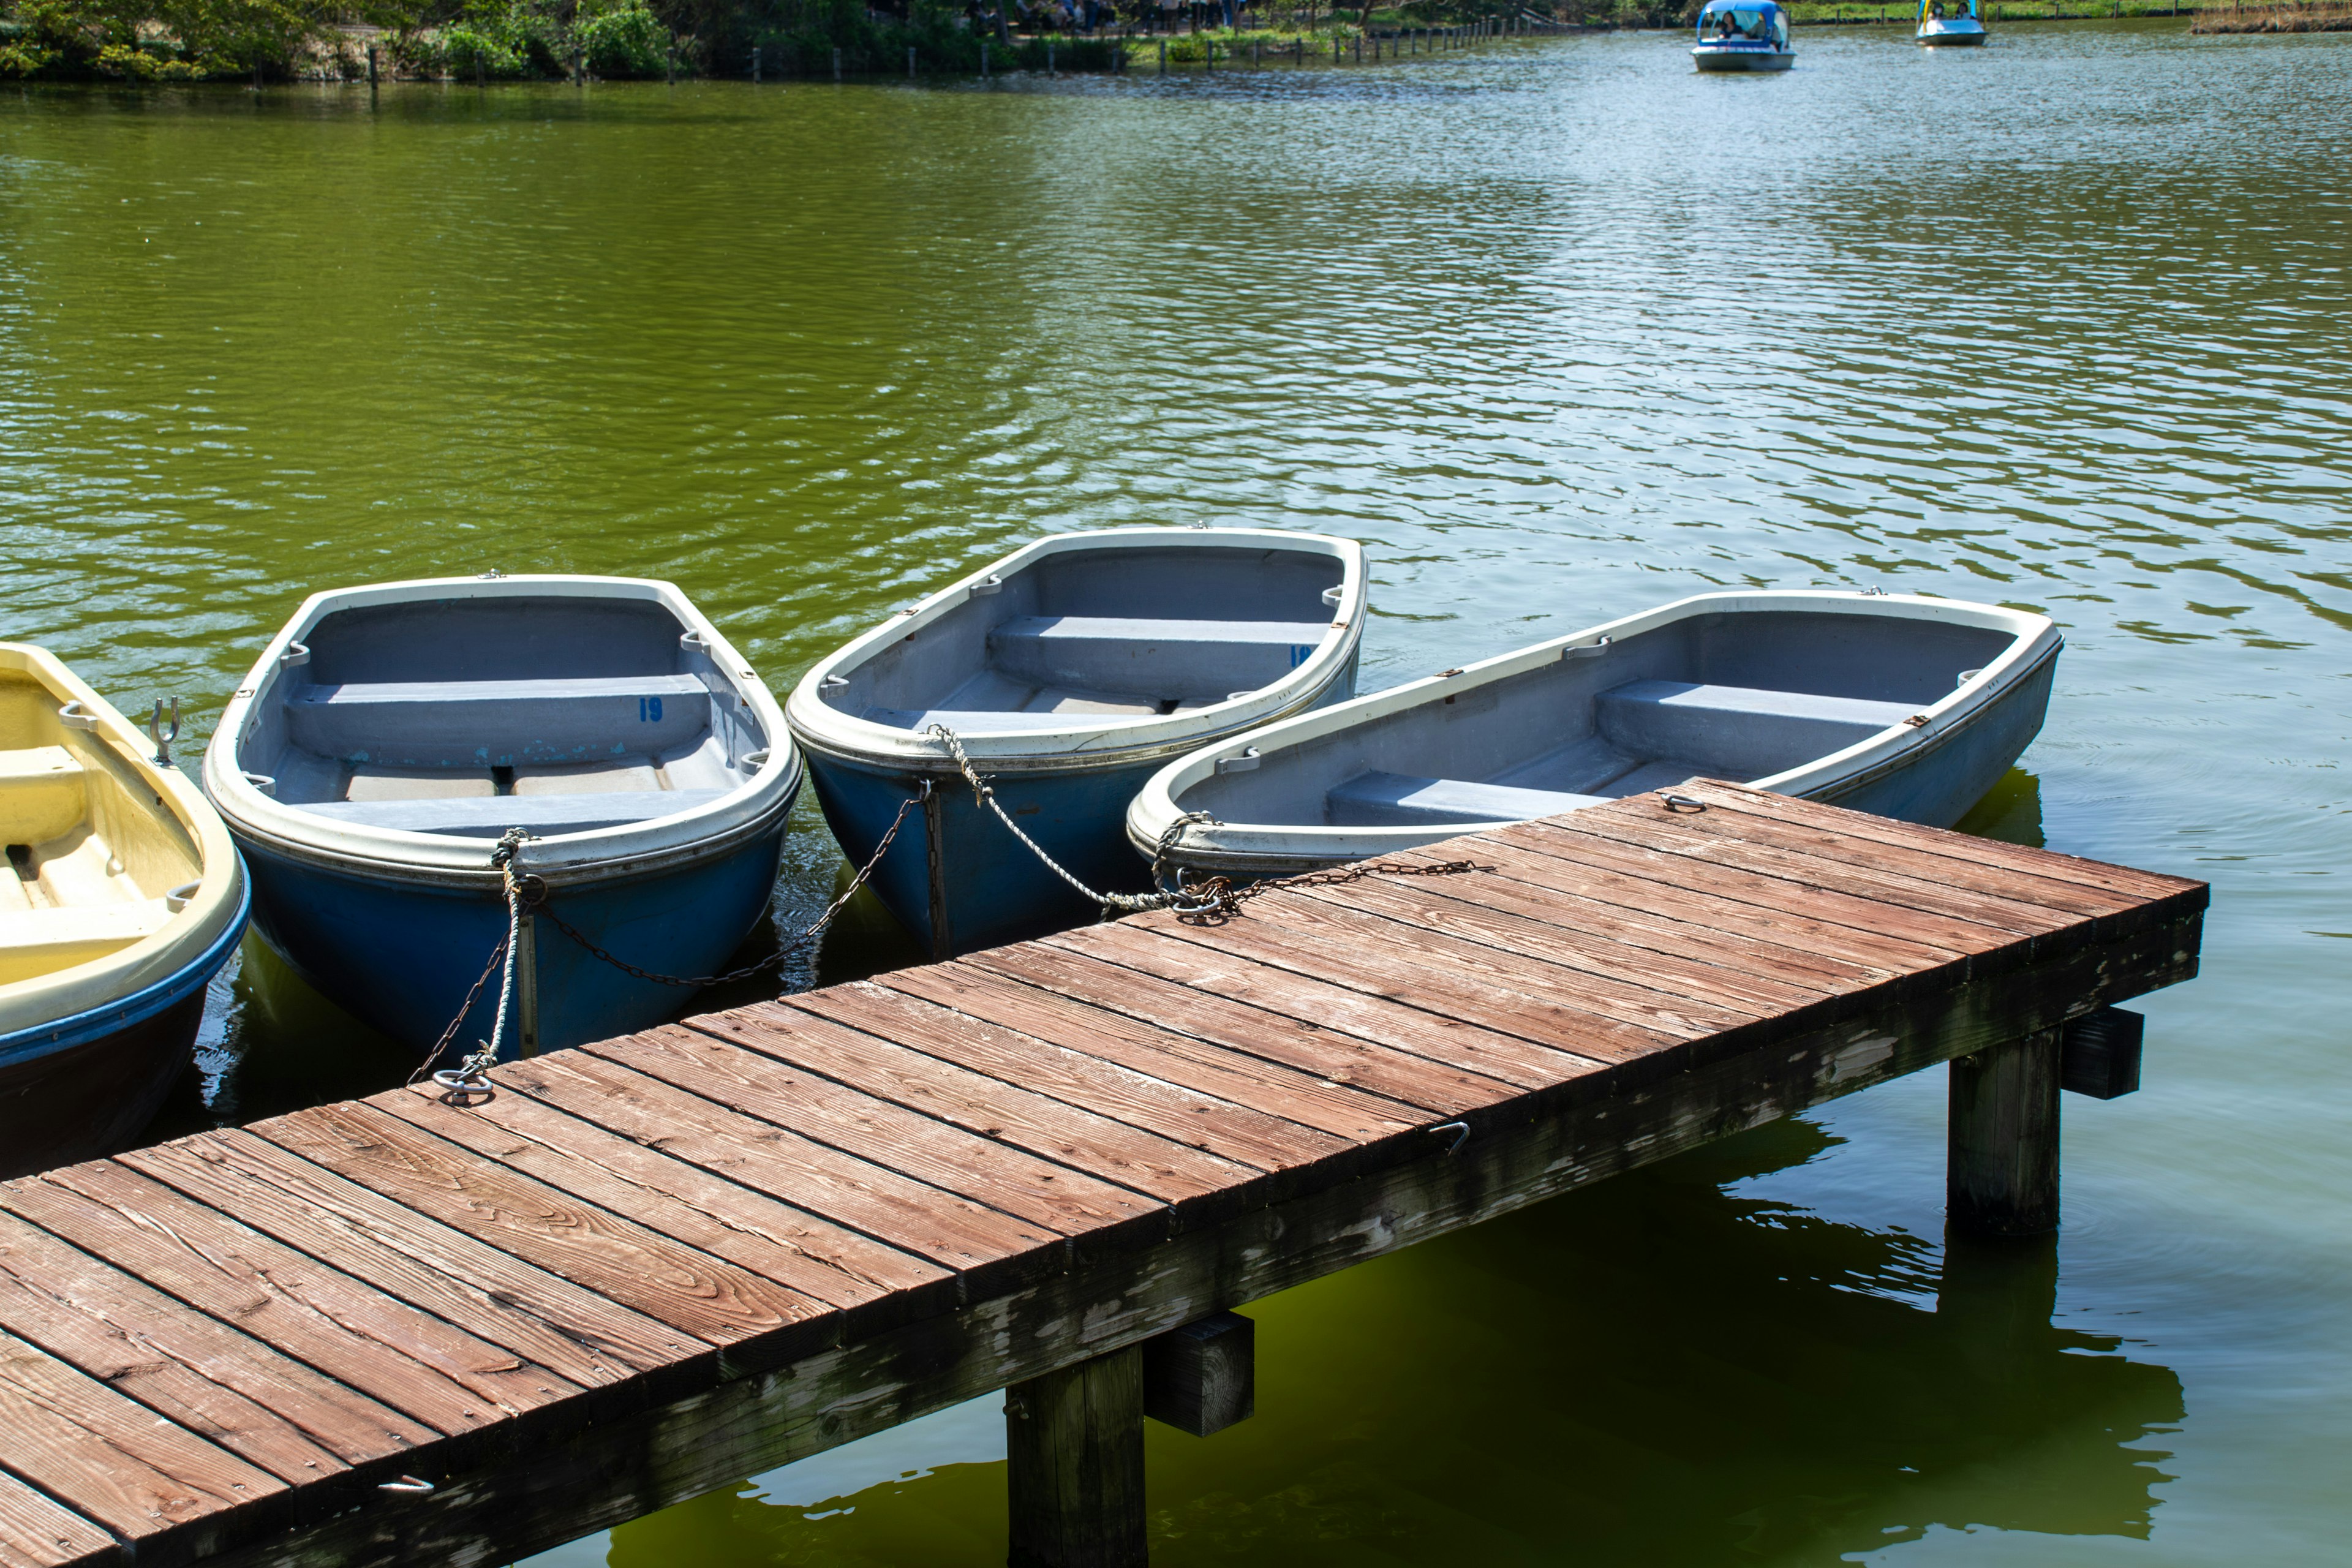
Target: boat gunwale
1097, 742
1245, 846
745, 812
217, 908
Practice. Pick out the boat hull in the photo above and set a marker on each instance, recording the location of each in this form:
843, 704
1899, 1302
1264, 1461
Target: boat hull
1709, 58
400, 953
956, 879
1951, 37
1935, 785
87, 1085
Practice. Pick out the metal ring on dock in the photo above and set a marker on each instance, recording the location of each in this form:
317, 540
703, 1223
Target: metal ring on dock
459, 1086
1680, 803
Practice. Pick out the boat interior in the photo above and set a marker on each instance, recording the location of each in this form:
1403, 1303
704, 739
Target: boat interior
466, 716
93, 865
1739, 695
1119, 633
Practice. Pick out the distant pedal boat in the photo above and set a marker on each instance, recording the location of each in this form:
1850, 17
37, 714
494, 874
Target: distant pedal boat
1945, 24
1909, 708
1743, 36
1069, 671
120, 900
390, 735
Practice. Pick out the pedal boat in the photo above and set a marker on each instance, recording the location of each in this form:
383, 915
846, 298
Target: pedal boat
1070, 671
1910, 708
1961, 24
1743, 36
390, 736
121, 899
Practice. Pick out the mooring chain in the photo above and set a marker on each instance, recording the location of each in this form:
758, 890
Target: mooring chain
1195, 901
527, 893
985, 794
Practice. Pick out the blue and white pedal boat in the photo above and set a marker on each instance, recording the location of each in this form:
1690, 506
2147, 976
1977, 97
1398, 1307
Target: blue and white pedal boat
1069, 672
1909, 708
1946, 22
1743, 36
390, 736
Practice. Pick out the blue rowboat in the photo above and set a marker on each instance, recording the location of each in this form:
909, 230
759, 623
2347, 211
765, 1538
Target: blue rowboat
121, 899
392, 736
1743, 36
1909, 708
1069, 672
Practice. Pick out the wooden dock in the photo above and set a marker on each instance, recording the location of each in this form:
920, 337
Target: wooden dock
395, 1332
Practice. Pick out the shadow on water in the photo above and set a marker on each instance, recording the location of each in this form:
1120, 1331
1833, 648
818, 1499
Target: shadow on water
1656, 1371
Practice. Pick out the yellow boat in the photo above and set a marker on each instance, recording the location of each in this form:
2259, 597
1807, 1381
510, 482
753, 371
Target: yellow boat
121, 897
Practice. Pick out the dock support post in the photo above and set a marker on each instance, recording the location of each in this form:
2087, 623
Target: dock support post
1075, 1442
2001, 1175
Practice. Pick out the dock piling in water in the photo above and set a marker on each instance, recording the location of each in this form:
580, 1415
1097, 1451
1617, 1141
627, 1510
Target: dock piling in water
2002, 1177
1074, 1452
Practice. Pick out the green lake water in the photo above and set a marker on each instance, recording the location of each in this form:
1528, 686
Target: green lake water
1560, 331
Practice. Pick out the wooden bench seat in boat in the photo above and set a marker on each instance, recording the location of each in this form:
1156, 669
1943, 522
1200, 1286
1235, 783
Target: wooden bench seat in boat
462, 723
42, 793
486, 817
1166, 657
38, 941
1740, 732
1396, 800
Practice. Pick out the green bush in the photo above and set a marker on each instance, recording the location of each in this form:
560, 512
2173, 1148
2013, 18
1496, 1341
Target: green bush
628, 42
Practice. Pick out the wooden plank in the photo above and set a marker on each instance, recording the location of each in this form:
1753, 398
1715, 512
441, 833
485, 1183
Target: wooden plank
1681, 835
527, 1310
1647, 885
1644, 1006
35, 1532
1540, 1145
2131, 885
1431, 986
1327, 1052
444, 1378
1775, 892
948, 1232
990, 1173
1937, 866
1443, 1042
1171, 1058
1236, 1132
198, 1373
1481, 917
110, 1460
1163, 1168
702, 1299
1532, 885
726, 1224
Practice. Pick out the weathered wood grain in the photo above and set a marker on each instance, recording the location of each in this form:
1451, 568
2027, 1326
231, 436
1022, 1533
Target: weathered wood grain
697, 1295
1322, 1050
35, 1532
937, 1227
1173, 1172
140, 1476
1159, 1053
993, 1174
1542, 1144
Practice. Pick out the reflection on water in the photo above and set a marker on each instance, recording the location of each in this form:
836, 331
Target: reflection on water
1560, 331
1656, 1370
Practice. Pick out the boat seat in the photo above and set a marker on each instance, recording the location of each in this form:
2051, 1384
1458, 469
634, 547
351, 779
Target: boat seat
1737, 730
543, 814
41, 793
1164, 657
1397, 800
499, 724
41, 941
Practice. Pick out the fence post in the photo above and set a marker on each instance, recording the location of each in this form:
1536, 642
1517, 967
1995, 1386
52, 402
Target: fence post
983, 58
836, 65
370, 65
755, 62
1163, 56
910, 62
